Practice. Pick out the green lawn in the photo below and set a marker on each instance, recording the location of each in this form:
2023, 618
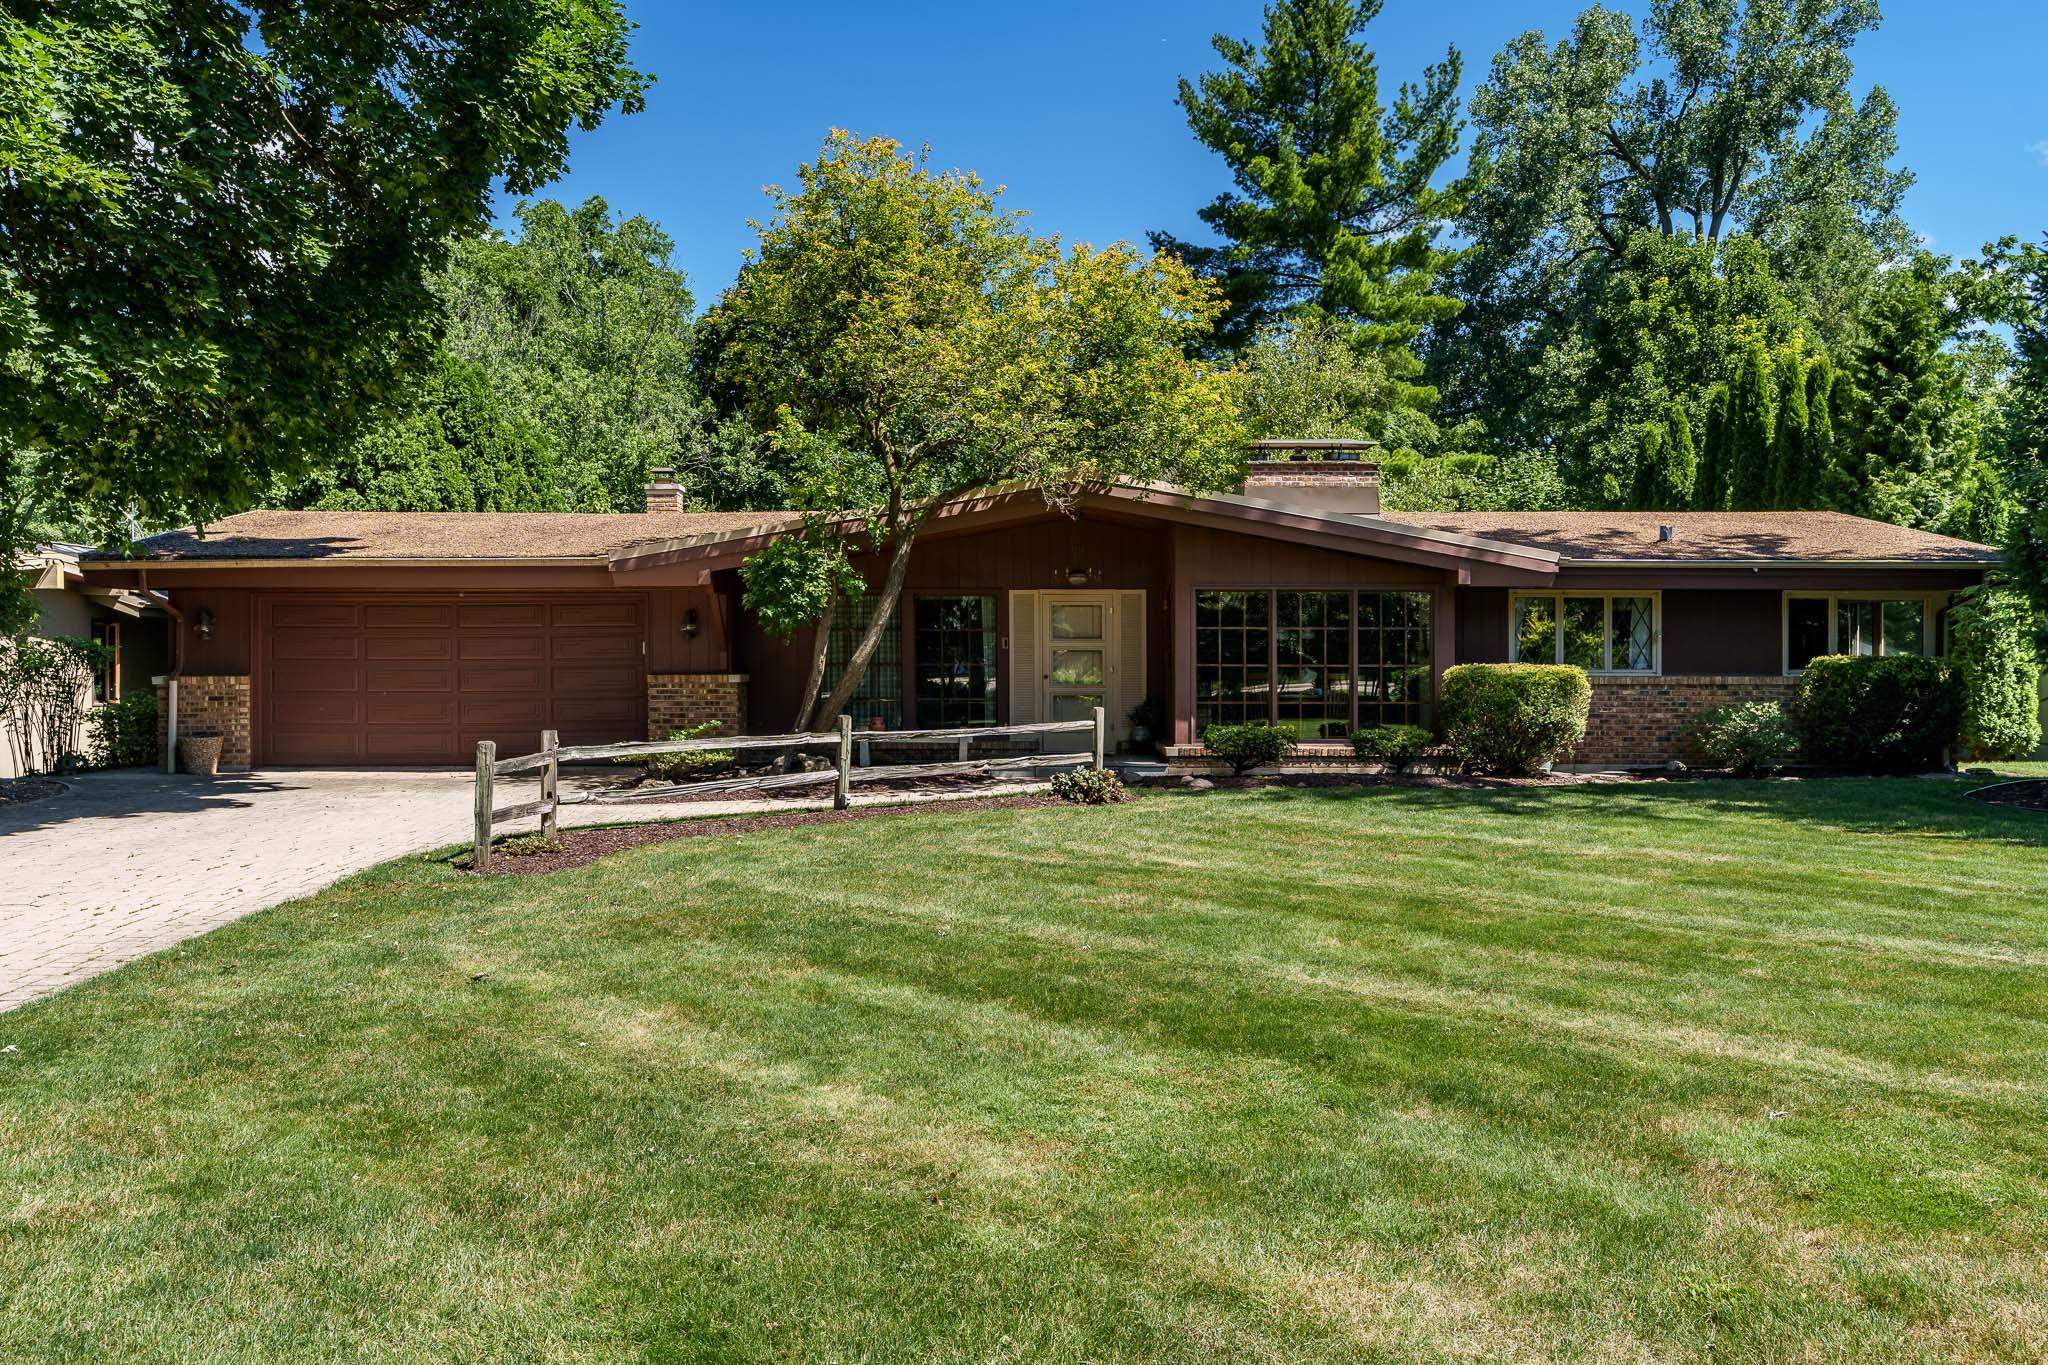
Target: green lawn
1647, 1072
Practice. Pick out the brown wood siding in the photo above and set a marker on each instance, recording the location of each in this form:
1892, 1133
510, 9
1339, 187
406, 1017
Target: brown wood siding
1723, 630
1482, 626
406, 680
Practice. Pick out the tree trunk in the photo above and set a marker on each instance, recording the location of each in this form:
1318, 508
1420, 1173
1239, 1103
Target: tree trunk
821, 643
871, 637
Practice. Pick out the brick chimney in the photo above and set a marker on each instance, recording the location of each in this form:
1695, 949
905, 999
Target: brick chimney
1315, 476
664, 494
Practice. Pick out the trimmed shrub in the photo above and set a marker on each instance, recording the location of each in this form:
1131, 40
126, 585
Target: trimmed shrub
1397, 746
124, 732
1991, 648
1087, 787
1513, 718
1246, 746
1752, 739
1891, 715
676, 767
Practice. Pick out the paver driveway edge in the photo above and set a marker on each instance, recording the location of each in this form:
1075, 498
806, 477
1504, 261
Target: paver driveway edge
132, 862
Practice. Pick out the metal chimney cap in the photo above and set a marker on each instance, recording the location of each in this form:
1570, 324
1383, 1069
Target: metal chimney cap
1667, 534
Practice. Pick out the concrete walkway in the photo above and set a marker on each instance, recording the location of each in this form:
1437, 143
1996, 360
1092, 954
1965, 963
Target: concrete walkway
130, 863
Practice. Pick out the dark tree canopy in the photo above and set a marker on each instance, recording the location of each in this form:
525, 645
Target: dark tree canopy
220, 220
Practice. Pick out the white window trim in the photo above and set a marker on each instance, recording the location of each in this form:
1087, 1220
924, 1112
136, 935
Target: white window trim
1556, 599
1932, 605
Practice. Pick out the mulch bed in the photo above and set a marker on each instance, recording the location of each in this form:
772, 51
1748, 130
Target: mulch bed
575, 847
2026, 794
18, 791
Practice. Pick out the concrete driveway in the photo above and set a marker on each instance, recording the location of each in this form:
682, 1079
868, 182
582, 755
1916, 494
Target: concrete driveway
129, 863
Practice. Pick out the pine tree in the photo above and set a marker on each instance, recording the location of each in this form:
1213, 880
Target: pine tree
1649, 469
1710, 489
1830, 392
1751, 417
1335, 205
1793, 477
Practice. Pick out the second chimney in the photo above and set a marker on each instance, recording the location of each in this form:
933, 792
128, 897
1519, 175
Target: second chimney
1315, 476
664, 494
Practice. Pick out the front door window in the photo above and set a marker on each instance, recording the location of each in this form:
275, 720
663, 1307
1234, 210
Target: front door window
1077, 658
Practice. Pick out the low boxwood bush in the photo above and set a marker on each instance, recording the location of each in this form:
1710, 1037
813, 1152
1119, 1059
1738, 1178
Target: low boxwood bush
1753, 739
1246, 746
1397, 746
677, 767
1892, 715
123, 733
1088, 787
1513, 718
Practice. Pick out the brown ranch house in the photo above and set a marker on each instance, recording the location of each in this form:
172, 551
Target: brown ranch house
379, 639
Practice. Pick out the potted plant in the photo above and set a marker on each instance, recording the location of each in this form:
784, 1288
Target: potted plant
1148, 719
199, 752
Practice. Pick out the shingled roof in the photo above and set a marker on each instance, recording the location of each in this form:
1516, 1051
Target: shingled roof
1576, 537
318, 535
1706, 537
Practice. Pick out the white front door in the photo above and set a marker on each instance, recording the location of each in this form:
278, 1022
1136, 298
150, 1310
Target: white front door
1076, 651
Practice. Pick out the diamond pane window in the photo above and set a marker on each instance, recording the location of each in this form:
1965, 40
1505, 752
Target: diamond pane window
1599, 634
1632, 635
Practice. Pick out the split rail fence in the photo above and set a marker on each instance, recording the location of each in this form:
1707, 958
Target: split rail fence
843, 773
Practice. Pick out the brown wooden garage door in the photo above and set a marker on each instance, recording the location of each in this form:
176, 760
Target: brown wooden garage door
419, 680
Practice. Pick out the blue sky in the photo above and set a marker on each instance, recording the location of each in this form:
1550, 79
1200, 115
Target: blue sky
1070, 105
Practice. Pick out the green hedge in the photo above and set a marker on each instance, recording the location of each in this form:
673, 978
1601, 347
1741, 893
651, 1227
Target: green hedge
1397, 746
1991, 645
1249, 745
1892, 715
1513, 718
124, 732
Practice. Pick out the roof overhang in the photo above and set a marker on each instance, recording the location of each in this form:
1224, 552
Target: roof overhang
1374, 537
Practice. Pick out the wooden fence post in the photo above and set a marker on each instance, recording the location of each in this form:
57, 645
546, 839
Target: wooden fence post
842, 793
486, 760
550, 782
1098, 739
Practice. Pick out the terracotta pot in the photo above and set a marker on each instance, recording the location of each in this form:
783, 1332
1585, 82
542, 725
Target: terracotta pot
199, 754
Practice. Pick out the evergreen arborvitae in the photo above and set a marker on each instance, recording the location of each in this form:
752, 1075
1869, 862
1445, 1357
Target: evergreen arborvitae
1681, 461
1830, 393
1710, 489
1649, 468
1751, 414
1901, 379
1793, 477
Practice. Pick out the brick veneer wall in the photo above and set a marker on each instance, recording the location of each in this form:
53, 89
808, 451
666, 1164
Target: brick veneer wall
219, 703
1651, 720
678, 700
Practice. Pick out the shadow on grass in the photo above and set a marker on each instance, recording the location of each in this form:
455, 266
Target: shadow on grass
1872, 805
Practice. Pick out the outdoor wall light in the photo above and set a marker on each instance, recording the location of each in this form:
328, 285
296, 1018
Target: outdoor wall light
1080, 578
202, 624
690, 626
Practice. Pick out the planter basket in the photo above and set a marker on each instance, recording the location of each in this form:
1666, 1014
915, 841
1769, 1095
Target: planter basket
199, 754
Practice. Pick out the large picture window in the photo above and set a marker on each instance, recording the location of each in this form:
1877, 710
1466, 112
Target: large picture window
1870, 626
1233, 657
1599, 632
880, 694
1320, 663
956, 661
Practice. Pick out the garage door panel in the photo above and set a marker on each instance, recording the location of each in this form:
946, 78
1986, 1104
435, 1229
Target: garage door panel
402, 746
408, 678
433, 615
421, 680
305, 676
307, 644
489, 679
596, 614
532, 615
310, 710
490, 648
584, 648
414, 711
408, 648
608, 680
328, 615
315, 746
